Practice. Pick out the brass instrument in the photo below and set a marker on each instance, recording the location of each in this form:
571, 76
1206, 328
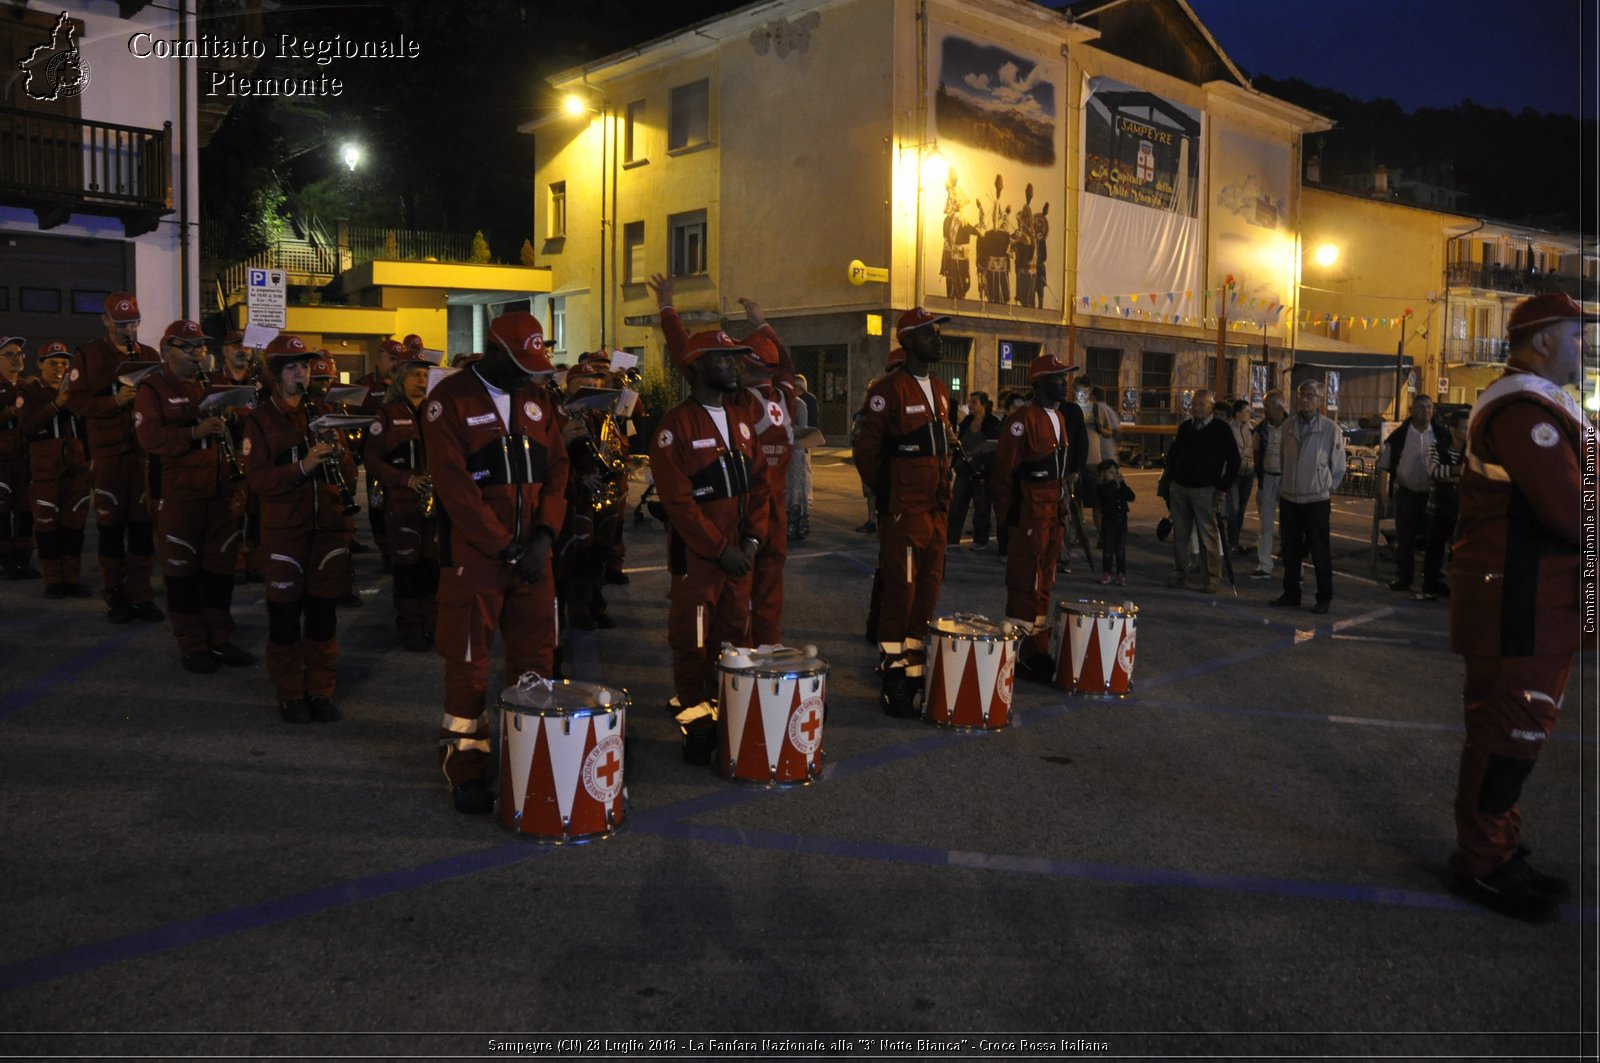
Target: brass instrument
430, 500
320, 431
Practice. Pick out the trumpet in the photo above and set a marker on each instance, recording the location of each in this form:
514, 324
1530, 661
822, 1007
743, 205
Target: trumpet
332, 465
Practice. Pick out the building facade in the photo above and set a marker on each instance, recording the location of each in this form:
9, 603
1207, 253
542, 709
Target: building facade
1100, 182
98, 174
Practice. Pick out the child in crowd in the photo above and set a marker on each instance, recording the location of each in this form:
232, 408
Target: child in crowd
1114, 496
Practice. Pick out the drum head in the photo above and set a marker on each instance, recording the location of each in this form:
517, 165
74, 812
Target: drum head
1090, 607
969, 626
779, 662
565, 697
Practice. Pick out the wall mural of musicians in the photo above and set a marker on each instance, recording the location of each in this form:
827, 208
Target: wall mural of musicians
994, 121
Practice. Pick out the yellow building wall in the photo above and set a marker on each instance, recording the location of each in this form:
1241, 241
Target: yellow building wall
1390, 258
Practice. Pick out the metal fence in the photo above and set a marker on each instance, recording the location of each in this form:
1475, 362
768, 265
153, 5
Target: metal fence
410, 245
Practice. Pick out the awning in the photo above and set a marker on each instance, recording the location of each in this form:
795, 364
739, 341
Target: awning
1321, 352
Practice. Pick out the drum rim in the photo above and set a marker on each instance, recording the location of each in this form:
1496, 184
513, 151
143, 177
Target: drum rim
1105, 609
757, 672
579, 710
998, 636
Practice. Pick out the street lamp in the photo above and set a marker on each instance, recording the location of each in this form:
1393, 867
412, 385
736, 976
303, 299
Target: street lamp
351, 153
1325, 255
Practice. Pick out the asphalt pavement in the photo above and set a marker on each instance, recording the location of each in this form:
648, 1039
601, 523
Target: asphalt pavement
1246, 857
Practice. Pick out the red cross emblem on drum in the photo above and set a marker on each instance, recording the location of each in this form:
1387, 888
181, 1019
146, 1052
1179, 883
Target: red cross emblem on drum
769, 729
971, 666
602, 769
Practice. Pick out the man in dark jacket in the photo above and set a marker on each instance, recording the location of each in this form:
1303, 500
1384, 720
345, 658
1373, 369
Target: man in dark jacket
1201, 465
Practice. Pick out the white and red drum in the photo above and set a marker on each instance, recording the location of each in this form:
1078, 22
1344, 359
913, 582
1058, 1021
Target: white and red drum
1093, 643
769, 716
971, 663
561, 759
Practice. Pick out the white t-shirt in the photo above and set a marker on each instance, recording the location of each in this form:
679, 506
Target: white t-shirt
927, 389
1055, 423
719, 417
502, 401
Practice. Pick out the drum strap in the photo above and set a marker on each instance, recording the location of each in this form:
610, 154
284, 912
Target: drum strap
928, 441
1053, 466
726, 477
509, 460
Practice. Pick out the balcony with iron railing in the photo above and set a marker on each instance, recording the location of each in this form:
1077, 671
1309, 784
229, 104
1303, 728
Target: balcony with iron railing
1475, 350
1515, 281
58, 166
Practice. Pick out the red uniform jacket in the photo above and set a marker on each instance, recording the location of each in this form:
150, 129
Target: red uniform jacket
11, 444
394, 451
1516, 572
376, 387
903, 449
92, 395
495, 486
710, 493
276, 437
1029, 483
165, 411
771, 415
54, 436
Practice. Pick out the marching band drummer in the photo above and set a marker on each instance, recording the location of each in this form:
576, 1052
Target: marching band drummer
320, 378
190, 483
1030, 488
500, 472
59, 464
305, 536
396, 458
903, 457
768, 398
122, 515
703, 459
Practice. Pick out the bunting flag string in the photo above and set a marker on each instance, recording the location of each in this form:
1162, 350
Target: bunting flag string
1244, 311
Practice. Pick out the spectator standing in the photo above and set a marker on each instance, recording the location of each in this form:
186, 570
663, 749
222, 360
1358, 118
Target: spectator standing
1239, 492
1115, 494
1403, 476
1444, 503
1201, 465
1268, 445
1313, 466
971, 488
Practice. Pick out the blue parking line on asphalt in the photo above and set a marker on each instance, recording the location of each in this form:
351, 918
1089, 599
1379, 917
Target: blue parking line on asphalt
25, 973
18, 700
1052, 867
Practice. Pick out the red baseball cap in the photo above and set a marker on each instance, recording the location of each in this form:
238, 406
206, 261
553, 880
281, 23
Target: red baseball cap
417, 357
52, 349
1533, 314
287, 347
520, 334
412, 342
6, 341
462, 360
233, 336
122, 307
393, 348
188, 331
710, 340
322, 365
916, 318
763, 352
1048, 365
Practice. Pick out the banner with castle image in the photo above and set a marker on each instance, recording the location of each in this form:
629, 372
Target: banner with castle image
992, 217
1251, 232
1141, 238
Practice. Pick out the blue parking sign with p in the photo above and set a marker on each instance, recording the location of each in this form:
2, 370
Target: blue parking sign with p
1005, 354
258, 278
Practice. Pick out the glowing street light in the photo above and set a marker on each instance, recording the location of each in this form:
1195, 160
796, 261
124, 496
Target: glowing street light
1325, 255
574, 105
351, 153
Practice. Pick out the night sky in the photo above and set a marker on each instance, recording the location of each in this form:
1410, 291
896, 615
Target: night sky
1420, 53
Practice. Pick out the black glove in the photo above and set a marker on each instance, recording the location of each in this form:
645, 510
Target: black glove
533, 560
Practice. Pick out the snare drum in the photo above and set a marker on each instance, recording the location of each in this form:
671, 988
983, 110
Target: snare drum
770, 712
1094, 643
971, 661
561, 759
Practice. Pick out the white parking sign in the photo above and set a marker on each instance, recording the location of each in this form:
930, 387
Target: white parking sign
266, 298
